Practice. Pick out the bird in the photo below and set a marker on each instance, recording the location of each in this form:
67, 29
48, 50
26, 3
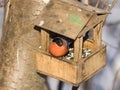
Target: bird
59, 47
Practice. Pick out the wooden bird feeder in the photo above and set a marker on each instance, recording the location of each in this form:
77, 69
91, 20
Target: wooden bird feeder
83, 25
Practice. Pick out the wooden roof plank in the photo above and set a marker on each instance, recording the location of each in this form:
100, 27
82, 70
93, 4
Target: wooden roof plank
92, 23
64, 19
86, 7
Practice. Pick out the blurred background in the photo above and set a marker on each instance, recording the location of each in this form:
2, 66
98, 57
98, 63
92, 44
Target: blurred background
109, 77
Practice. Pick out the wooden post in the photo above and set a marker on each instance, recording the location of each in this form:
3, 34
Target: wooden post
44, 40
98, 35
78, 49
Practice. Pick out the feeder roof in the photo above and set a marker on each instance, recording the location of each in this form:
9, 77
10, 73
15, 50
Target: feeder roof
68, 18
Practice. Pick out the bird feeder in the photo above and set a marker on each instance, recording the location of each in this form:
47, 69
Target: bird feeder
80, 23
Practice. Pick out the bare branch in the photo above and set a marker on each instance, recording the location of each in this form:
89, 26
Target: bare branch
113, 4
97, 4
105, 3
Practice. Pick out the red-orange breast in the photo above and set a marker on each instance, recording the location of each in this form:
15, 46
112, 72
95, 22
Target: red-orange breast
58, 47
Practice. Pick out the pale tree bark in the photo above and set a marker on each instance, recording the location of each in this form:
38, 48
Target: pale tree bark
18, 46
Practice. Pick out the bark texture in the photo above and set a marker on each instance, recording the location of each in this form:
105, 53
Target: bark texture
18, 46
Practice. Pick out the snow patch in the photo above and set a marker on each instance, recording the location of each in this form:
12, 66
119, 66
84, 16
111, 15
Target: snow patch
46, 1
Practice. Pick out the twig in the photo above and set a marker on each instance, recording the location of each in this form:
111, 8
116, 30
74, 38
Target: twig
113, 4
97, 4
105, 3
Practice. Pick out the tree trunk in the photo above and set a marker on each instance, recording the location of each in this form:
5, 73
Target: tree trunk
18, 46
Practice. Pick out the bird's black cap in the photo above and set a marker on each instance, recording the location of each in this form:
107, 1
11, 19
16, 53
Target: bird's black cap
58, 41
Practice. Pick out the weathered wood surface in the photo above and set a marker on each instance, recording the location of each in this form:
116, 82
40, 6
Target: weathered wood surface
55, 17
56, 68
74, 73
93, 64
87, 7
78, 46
89, 44
45, 40
64, 19
58, 14
18, 46
98, 35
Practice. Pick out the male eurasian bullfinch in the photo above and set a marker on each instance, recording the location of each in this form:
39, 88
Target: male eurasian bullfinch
59, 47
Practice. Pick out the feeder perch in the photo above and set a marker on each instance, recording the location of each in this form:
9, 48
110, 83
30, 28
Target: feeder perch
79, 23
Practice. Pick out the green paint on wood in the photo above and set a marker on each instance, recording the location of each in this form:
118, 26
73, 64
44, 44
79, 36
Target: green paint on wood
74, 18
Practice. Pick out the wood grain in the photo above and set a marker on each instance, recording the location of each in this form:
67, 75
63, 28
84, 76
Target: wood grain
74, 73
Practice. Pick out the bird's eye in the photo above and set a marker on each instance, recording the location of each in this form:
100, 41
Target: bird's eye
58, 41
